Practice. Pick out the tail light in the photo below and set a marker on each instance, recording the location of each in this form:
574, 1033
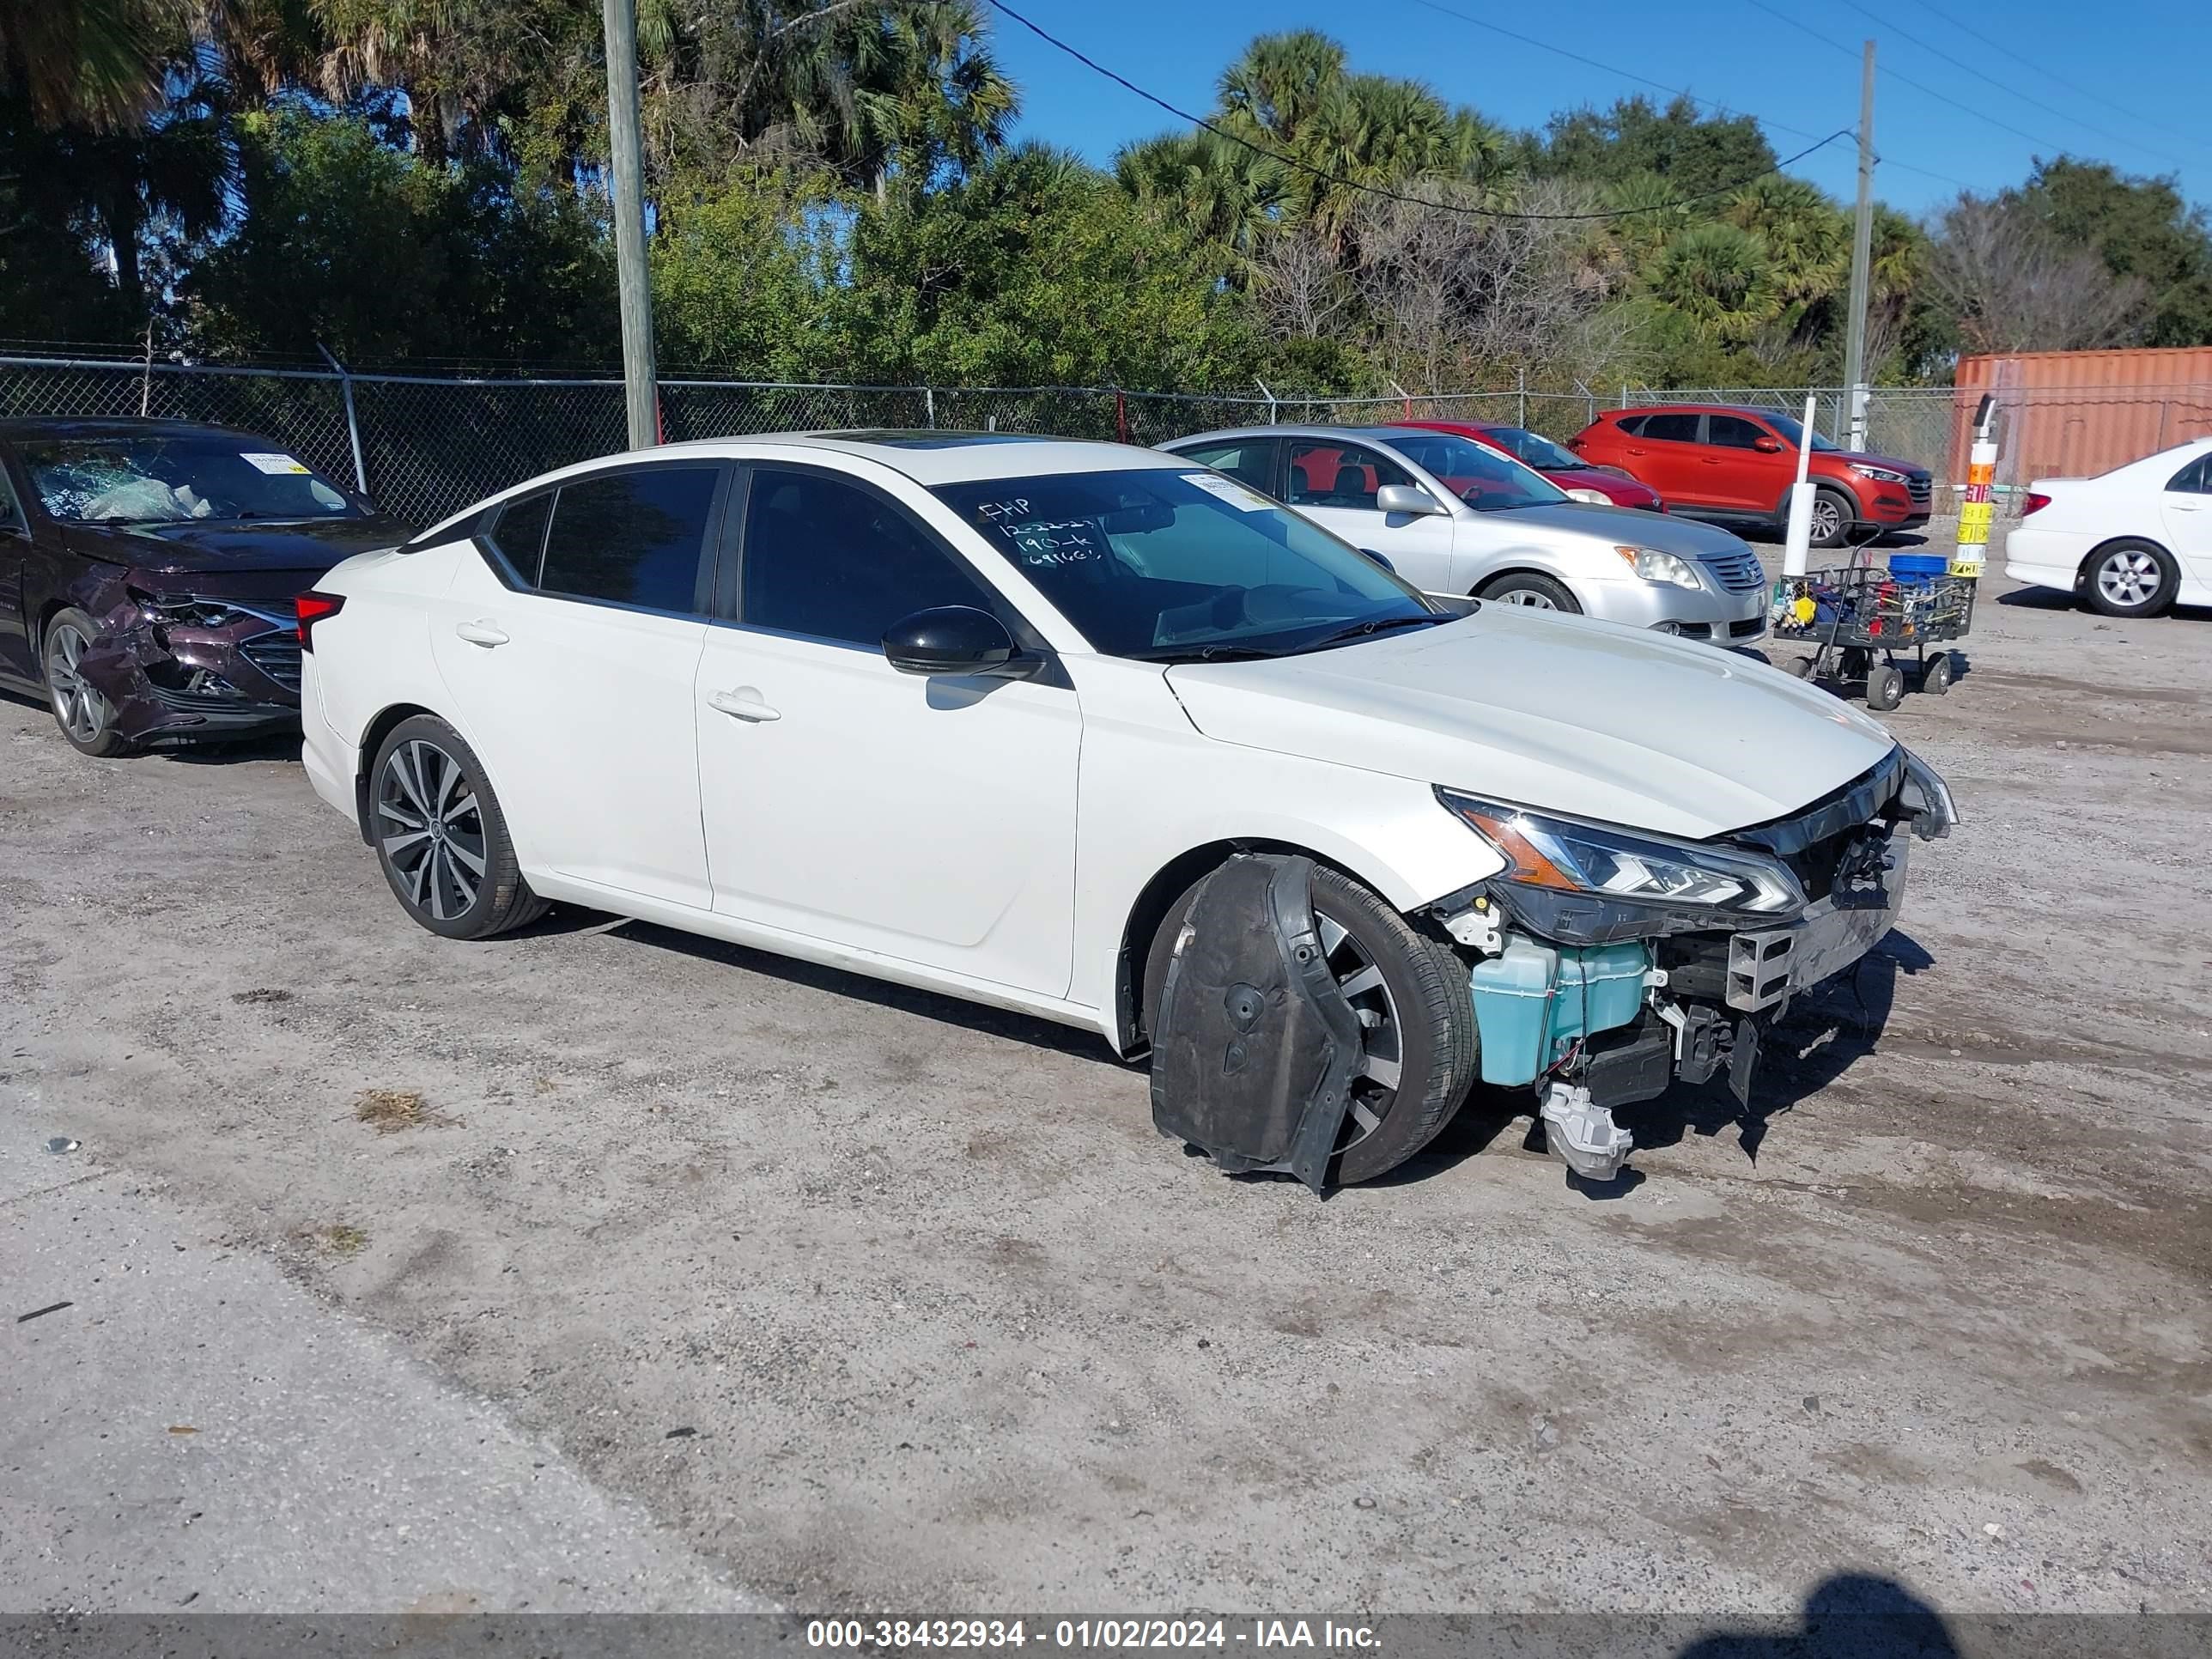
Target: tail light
2035, 503
314, 608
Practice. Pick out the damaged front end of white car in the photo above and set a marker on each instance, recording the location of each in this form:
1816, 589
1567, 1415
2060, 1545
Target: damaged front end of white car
1608, 961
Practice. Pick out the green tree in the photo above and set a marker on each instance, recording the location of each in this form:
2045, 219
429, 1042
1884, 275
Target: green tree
2142, 229
1695, 154
742, 278
102, 64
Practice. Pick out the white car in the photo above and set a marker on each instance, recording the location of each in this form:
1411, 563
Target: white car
977, 712
1456, 517
2130, 542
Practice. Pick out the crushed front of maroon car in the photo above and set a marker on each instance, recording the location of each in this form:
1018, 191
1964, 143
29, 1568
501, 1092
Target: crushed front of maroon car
199, 655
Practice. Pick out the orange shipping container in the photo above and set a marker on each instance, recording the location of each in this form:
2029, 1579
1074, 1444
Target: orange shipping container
2073, 414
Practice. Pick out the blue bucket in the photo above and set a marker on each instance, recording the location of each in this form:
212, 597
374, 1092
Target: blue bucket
1918, 567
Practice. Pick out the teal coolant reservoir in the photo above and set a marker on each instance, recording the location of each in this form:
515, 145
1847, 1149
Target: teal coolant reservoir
1532, 1002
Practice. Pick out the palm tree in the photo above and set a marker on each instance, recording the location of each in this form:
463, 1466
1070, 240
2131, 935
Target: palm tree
102, 64
1219, 189
1720, 279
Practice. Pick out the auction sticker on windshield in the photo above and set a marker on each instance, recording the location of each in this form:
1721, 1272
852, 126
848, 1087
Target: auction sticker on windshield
274, 465
1228, 489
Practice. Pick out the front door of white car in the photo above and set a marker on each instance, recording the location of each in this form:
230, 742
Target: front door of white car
923, 819
1338, 484
2185, 508
573, 677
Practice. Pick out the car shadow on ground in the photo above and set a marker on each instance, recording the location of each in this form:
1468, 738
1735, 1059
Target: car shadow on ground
1848, 1615
203, 751
882, 993
2054, 599
1826, 1031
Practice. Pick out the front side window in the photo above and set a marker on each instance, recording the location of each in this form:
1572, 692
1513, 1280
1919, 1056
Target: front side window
1476, 473
1734, 432
1326, 473
632, 538
1164, 565
1793, 435
832, 560
159, 478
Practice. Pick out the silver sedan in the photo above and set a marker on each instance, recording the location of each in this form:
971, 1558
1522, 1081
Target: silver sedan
1452, 516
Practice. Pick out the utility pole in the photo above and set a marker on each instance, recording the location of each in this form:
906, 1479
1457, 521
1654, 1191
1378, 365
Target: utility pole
640, 395
1861, 259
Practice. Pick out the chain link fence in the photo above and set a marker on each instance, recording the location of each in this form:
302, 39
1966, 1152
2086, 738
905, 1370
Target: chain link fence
428, 446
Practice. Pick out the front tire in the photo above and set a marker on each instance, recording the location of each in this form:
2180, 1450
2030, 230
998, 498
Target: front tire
86, 717
1832, 516
440, 837
2130, 578
1539, 593
1418, 1020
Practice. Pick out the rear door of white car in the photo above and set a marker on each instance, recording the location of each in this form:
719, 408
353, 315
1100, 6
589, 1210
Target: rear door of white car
1335, 483
927, 819
2185, 508
571, 661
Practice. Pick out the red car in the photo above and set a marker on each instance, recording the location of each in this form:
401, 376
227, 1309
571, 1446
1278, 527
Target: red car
1598, 485
1714, 461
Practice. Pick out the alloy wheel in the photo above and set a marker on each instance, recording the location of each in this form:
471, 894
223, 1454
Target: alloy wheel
1361, 983
430, 828
1827, 518
2130, 578
1530, 597
84, 712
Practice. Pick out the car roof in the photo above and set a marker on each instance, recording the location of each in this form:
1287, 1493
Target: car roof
1370, 434
15, 428
1758, 411
931, 457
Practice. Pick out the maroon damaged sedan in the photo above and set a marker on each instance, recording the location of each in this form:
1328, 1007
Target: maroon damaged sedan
149, 571
1600, 486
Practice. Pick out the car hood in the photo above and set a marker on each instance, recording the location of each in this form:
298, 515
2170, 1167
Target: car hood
1595, 477
1557, 712
235, 548
1867, 458
1571, 521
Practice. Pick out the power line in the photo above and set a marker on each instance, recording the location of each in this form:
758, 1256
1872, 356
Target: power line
2059, 80
2036, 103
1326, 176
1625, 75
1917, 86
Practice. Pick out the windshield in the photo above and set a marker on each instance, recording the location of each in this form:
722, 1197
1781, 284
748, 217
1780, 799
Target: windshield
1185, 564
1535, 448
1476, 473
171, 480
1792, 434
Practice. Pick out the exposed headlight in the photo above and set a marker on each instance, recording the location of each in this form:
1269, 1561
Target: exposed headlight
1596, 861
1654, 566
1595, 497
1879, 474
1928, 797
183, 611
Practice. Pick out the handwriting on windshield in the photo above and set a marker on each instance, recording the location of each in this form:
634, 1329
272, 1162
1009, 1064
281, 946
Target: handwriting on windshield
1047, 544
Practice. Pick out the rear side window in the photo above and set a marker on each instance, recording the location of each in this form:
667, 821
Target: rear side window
2194, 479
1633, 424
1670, 429
832, 560
519, 534
1249, 461
632, 538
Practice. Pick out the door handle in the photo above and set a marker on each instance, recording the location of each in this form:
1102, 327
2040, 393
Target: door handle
746, 705
481, 633
2185, 506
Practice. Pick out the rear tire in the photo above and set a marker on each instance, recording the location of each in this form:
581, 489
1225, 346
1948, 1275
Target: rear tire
85, 715
1422, 1055
1539, 593
2130, 578
1935, 678
440, 837
1885, 687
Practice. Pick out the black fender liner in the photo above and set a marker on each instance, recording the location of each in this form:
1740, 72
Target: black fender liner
1257, 1047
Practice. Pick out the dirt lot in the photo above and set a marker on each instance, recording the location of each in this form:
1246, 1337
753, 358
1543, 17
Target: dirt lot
956, 1330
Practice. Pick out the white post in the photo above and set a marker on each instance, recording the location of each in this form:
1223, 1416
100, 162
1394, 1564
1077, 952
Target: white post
1799, 537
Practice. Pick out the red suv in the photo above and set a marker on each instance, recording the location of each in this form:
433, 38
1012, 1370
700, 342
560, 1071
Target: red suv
1716, 462
1600, 486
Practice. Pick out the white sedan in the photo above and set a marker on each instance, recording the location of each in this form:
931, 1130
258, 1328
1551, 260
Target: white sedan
2130, 542
979, 713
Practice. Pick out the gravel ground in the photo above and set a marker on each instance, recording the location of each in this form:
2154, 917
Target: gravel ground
953, 1330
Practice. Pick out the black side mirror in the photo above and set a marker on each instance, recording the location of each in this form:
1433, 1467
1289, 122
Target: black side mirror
1380, 560
955, 639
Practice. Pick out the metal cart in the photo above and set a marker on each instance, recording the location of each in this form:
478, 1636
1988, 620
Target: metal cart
1862, 617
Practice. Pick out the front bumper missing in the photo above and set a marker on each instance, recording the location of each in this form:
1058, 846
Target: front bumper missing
1768, 966
238, 679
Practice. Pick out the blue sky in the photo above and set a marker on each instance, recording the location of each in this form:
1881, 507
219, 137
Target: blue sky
2139, 72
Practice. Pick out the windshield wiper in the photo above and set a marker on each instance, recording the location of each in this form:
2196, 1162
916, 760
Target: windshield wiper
1372, 625
1206, 653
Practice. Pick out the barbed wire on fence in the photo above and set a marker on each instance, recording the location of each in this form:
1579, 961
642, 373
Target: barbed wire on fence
426, 446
